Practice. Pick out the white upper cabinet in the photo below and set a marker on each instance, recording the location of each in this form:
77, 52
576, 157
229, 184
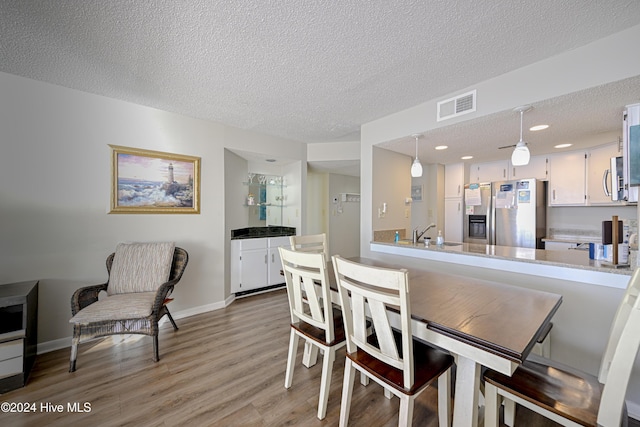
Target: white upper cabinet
567, 173
489, 172
536, 168
454, 180
598, 174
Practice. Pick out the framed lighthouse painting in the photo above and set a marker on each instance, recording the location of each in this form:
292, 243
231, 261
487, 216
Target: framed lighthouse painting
145, 181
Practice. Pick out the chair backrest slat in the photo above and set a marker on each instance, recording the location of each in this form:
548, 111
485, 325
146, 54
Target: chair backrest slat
310, 243
620, 354
371, 291
308, 289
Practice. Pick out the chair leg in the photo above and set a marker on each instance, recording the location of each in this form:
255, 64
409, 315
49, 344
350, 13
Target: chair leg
509, 411
310, 356
444, 399
491, 405
387, 393
291, 358
156, 353
347, 391
325, 383
406, 411
173, 323
74, 354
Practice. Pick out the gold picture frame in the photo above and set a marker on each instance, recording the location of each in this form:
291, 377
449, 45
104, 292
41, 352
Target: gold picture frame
154, 182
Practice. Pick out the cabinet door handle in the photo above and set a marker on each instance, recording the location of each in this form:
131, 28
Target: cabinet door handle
514, 172
458, 206
458, 189
604, 183
266, 260
554, 194
273, 258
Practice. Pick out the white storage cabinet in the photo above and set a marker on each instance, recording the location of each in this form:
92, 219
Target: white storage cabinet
255, 263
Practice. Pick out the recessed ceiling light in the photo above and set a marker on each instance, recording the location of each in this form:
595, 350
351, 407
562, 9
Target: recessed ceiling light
562, 145
466, 157
538, 127
442, 147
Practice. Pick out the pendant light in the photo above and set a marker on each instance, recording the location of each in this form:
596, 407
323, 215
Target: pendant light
520, 156
416, 167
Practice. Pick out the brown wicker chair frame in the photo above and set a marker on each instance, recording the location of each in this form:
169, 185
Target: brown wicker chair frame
145, 326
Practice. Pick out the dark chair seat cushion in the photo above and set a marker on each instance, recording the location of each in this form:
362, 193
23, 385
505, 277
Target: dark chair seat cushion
553, 386
429, 364
318, 334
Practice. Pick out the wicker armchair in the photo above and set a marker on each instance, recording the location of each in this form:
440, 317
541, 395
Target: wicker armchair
130, 322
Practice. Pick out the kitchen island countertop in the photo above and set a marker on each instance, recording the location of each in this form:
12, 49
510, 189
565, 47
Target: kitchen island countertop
566, 264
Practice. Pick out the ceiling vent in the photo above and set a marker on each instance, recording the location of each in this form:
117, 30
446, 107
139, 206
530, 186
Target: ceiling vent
457, 106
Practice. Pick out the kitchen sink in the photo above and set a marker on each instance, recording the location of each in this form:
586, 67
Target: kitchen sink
451, 244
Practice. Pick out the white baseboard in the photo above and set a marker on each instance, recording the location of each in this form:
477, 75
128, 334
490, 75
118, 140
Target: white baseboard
47, 346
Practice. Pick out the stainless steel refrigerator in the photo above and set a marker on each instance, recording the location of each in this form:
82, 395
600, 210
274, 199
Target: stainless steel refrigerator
478, 214
506, 213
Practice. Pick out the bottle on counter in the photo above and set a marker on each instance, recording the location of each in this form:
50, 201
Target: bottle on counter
397, 238
440, 238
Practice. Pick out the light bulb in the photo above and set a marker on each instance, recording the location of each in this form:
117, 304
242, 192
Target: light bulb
520, 156
416, 169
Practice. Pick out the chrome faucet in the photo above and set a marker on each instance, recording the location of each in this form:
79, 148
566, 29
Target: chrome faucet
417, 236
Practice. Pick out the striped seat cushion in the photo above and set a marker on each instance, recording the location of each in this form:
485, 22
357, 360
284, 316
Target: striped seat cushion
116, 307
140, 267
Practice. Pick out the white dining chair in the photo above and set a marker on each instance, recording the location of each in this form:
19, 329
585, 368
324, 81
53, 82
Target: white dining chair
566, 395
312, 315
392, 358
310, 243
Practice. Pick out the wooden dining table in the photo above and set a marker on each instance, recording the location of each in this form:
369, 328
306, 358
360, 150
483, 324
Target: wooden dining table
480, 322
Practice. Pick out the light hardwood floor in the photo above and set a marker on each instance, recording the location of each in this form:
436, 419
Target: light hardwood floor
224, 368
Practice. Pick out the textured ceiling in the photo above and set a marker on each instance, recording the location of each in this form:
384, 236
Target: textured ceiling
311, 71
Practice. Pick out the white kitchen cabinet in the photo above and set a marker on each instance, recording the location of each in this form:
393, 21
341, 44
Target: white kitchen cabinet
536, 168
454, 180
489, 171
598, 165
453, 219
567, 173
255, 263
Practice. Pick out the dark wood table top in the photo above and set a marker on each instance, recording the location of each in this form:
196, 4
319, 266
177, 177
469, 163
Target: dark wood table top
502, 319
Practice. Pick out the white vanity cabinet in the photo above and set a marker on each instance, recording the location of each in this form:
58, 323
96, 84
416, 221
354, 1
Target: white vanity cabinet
255, 263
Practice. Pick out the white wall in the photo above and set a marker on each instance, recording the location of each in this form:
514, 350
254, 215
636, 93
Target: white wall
317, 203
55, 191
344, 219
391, 185
431, 208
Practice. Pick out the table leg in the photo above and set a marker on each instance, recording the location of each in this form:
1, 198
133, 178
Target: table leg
465, 407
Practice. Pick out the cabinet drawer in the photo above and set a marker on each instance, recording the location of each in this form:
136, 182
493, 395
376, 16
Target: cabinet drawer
276, 242
11, 361
11, 349
248, 244
11, 367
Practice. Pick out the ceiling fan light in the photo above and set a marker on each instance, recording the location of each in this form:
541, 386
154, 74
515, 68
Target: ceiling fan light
520, 155
416, 168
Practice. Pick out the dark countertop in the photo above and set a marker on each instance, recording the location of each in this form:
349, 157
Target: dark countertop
257, 232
